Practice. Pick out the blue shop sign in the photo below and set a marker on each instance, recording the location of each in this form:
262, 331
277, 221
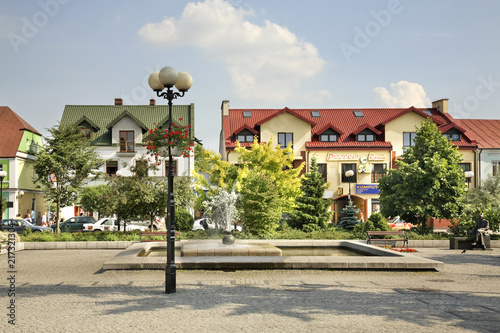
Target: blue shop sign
367, 189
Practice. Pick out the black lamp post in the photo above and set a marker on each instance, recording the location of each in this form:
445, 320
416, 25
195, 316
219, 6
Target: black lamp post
349, 174
3, 174
167, 78
468, 176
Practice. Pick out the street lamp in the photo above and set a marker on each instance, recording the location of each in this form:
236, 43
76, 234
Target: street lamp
468, 176
349, 174
3, 174
167, 78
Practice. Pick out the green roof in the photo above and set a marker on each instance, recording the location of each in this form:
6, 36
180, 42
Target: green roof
103, 117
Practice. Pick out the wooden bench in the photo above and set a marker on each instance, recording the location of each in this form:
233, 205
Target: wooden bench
370, 239
156, 233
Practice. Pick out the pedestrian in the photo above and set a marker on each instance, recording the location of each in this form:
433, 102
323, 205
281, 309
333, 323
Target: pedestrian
33, 216
44, 219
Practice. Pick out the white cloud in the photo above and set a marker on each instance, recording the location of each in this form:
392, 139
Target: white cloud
266, 62
403, 95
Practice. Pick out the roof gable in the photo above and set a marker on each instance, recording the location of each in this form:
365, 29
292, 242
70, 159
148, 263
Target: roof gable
287, 110
12, 128
127, 114
105, 116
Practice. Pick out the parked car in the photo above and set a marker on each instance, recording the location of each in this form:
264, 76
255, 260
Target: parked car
157, 224
129, 227
20, 225
205, 223
99, 225
74, 224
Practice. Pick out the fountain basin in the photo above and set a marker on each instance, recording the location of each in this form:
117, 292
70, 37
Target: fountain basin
376, 258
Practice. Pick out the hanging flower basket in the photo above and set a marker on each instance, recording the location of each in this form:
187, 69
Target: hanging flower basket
160, 139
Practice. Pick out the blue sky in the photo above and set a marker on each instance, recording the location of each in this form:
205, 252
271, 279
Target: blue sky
256, 54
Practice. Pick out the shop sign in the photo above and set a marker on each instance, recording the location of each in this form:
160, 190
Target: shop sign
342, 157
367, 189
375, 157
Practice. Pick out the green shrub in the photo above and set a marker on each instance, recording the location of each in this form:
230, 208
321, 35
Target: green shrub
183, 220
109, 236
67, 237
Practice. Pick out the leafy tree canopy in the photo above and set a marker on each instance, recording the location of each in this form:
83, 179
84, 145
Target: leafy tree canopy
428, 181
63, 163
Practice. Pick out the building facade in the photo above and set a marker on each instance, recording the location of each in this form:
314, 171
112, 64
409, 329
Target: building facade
19, 142
367, 141
118, 133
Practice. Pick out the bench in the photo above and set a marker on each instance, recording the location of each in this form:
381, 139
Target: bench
156, 233
461, 243
370, 238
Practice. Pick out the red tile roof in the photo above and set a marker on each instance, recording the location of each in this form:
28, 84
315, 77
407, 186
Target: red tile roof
485, 131
12, 128
343, 121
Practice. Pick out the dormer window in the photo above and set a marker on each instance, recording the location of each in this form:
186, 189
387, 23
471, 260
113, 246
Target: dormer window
245, 136
365, 136
329, 136
86, 132
453, 135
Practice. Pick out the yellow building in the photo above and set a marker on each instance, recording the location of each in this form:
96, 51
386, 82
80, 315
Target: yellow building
366, 141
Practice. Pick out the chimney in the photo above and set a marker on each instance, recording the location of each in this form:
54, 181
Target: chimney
152, 101
225, 108
118, 101
441, 105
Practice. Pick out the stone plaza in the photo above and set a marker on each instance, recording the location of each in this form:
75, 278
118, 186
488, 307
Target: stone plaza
65, 290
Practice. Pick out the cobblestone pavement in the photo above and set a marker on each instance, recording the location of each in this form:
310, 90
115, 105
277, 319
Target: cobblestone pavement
67, 291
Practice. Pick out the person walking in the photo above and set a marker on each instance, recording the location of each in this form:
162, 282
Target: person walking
44, 219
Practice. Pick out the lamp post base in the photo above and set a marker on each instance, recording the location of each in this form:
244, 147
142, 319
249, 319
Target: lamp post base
170, 279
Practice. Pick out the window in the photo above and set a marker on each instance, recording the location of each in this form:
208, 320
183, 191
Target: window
284, 139
85, 132
427, 112
358, 113
247, 114
349, 166
378, 170
409, 139
174, 167
366, 136
322, 170
245, 136
329, 136
453, 136
127, 143
375, 206
111, 168
495, 167
465, 166
315, 114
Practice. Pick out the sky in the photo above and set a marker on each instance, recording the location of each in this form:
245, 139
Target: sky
256, 54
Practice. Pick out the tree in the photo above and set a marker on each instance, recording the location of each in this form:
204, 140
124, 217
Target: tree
428, 181
277, 164
212, 173
350, 216
258, 203
486, 196
311, 209
62, 165
375, 222
262, 158
94, 199
139, 196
